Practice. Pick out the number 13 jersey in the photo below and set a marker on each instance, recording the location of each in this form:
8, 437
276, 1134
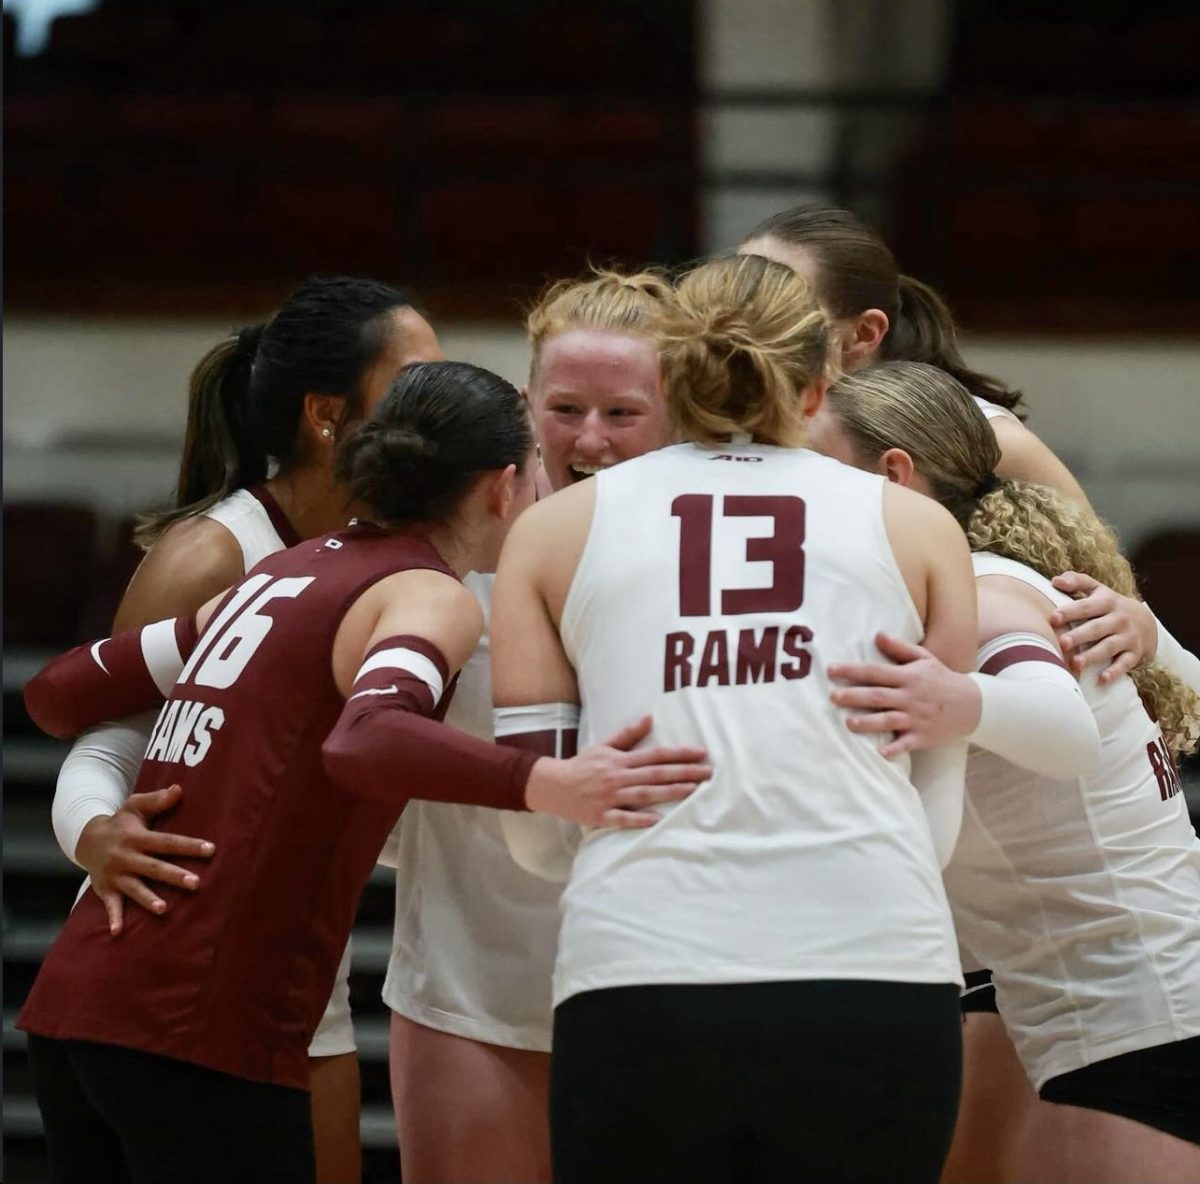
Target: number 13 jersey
715, 588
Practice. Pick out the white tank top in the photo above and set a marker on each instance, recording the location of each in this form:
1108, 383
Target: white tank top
475, 935
254, 518
1082, 896
993, 410
714, 589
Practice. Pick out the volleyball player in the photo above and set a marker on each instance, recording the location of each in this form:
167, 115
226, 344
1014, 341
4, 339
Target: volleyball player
1077, 874
882, 315
468, 982
303, 716
284, 390
712, 976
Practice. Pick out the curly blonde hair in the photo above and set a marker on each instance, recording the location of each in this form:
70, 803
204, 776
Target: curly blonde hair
931, 416
742, 338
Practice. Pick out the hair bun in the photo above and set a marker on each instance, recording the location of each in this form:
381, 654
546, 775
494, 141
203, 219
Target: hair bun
389, 467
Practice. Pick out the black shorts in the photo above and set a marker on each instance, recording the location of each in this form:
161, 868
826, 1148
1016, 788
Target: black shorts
1158, 1087
755, 1082
117, 1116
980, 992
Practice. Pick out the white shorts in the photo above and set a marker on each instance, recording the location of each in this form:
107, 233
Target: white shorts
335, 1033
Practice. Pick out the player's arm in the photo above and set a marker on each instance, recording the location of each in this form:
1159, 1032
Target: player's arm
99, 822
534, 688
386, 744
1025, 457
1020, 701
110, 678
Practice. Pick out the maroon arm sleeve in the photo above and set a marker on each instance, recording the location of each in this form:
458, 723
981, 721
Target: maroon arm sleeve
387, 746
111, 678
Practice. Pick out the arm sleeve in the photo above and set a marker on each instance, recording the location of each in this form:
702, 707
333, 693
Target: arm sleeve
1180, 662
939, 776
110, 679
97, 776
387, 746
540, 844
1032, 711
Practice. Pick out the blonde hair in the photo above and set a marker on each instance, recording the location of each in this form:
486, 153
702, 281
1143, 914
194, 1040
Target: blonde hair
607, 300
921, 409
742, 338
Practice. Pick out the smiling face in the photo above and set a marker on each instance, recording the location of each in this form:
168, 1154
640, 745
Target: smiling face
597, 399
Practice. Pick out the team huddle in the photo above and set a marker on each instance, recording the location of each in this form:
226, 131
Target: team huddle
719, 699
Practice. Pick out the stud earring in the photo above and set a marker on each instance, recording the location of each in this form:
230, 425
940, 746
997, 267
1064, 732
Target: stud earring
327, 433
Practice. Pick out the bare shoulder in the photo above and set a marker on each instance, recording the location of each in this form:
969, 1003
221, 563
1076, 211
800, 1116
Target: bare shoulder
912, 516
554, 518
195, 560
429, 604
1007, 605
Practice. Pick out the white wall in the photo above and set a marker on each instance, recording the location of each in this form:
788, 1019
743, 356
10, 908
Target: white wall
1124, 414
807, 45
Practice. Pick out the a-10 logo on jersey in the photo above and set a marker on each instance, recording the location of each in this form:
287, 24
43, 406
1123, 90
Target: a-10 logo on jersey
1165, 772
185, 728
721, 656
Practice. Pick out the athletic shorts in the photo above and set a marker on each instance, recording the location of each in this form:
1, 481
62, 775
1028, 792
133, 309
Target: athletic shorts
979, 993
335, 1033
112, 1115
765, 1082
1158, 1087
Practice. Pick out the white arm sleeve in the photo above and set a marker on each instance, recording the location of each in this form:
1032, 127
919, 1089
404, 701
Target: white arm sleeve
1032, 711
1173, 657
98, 775
938, 775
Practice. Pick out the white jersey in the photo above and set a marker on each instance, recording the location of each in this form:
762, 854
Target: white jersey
715, 588
475, 935
993, 410
1082, 896
254, 518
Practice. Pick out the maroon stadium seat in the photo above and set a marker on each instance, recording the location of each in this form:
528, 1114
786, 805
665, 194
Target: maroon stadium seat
1168, 570
49, 572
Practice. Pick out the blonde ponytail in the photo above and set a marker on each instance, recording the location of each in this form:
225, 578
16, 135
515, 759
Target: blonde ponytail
742, 338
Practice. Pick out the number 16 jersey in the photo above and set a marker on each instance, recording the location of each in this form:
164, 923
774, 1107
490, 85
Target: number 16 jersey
715, 588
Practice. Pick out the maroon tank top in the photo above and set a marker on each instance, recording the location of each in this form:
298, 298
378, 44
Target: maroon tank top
235, 976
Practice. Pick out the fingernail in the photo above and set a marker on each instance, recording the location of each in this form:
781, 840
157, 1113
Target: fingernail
191, 881
207, 848
158, 906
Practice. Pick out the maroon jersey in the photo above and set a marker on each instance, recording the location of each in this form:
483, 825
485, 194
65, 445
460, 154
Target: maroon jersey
235, 975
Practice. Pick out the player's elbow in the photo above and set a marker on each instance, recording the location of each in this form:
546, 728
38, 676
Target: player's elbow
1076, 748
50, 707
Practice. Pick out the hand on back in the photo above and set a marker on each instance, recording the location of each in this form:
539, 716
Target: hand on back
1110, 630
121, 852
914, 696
612, 784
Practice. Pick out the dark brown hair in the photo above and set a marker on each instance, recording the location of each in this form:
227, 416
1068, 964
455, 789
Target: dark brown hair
856, 271
440, 426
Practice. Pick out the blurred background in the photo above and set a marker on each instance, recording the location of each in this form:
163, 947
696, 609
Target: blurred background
173, 167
